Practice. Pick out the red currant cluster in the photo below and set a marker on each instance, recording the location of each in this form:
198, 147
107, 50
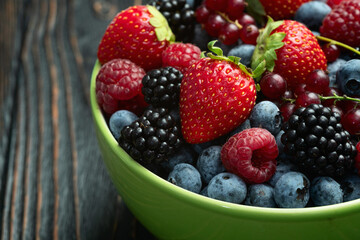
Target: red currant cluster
226, 20
315, 90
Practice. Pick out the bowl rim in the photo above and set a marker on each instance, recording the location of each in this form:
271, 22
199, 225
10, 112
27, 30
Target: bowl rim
222, 207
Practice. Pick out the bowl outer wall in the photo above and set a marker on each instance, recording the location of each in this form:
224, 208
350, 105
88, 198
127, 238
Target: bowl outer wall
170, 212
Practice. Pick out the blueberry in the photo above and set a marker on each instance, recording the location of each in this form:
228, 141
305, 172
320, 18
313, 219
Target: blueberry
312, 14
227, 187
292, 190
186, 176
243, 126
266, 115
348, 78
119, 120
332, 68
281, 168
184, 155
260, 195
278, 141
202, 146
325, 191
351, 187
243, 51
204, 191
209, 163
201, 38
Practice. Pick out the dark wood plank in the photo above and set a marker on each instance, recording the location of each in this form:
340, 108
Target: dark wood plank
53, 183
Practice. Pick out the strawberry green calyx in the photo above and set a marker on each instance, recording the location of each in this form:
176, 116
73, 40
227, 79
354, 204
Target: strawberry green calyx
159, 22
217, 54
267, 44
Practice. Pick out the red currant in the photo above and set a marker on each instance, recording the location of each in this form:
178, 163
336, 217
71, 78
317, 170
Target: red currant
202, 14
249, 34
287, 110
351, 121
331, 51
235, 8
317, 81
246, 19
337, 110
273, 86
288, 94
348, 105
214, 24
229, 34
300, 89
307, 98
216, 5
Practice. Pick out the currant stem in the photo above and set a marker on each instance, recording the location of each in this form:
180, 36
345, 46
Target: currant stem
339, 98
331, 41
223, 15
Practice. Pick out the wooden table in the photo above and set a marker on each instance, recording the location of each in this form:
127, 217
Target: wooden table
53, 183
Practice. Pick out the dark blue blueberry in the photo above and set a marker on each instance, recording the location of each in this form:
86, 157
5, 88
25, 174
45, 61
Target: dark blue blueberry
186, 176
243, 51
292, 190
351, 187
278, 141
204, 191
348, 78
227, 187
332, 68
281, 168
260, 195
243, 126
325, 191
119, 120
209, 163
266, 115
184, 155
312, 14
202, 146
201, 38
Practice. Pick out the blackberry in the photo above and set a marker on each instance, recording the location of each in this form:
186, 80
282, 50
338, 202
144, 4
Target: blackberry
318, 143
152, 138
180, 17
161, 87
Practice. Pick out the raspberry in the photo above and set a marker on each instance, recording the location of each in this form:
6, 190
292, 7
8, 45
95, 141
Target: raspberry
251, 154
118, 80
342, 23
180, 56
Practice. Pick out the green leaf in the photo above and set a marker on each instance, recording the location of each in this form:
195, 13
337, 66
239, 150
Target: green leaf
159, 22
218, 51
259, 70
256, 10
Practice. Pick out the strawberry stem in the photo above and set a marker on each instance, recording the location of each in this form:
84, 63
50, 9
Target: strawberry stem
331, 41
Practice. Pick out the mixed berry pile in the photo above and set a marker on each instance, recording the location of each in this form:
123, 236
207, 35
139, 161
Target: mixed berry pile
248, 102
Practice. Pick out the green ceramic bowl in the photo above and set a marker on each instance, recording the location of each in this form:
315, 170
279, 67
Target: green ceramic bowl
170, 212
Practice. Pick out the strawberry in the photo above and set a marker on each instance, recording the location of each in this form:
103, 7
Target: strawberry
342, 23
281, 9
140, 34
289, 49
217, 94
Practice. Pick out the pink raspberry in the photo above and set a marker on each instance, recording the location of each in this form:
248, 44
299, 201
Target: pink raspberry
180, 56
117, 82
251, 154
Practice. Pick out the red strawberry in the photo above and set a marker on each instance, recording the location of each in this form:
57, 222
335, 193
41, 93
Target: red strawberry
281, 9
140, 34
217, 94
290, 49
180, 56
342, 23
118, 86
251, 154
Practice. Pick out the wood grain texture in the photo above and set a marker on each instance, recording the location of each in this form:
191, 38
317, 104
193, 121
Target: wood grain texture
53, 183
